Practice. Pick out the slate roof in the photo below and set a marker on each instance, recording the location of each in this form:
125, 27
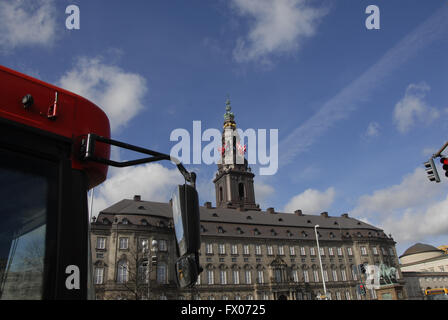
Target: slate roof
233, 222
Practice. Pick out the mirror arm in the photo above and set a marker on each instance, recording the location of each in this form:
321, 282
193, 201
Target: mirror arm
87, 153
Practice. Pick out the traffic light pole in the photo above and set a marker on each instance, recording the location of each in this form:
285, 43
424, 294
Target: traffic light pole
438, 153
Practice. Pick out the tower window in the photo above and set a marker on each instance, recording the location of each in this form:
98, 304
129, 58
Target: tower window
241, 190
220, 193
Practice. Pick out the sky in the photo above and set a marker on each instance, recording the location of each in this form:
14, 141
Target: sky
358, 111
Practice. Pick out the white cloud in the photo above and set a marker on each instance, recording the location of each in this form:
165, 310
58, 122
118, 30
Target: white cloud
311, 201
415, 225
279, 26
153, 182
412, 109
263, 192
26, 23
413, 210
373, 130
415, 190
119, 93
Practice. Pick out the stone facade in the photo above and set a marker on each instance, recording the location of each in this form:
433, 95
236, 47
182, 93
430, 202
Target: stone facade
246, 253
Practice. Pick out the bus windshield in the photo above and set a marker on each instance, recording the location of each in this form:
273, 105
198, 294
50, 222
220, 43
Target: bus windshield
24, 196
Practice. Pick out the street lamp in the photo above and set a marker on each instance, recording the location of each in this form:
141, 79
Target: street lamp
320, 260
152, 260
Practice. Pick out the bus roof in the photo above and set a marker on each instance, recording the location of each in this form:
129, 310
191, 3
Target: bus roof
55, 110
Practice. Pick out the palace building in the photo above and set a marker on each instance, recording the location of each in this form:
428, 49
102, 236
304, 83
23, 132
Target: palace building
246, 253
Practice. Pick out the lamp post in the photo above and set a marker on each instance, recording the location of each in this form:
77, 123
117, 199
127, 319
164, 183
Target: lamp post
152, 260
320, 260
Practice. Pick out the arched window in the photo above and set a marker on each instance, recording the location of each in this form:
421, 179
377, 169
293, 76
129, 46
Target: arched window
220, 194
241, 190
161, 272
122, 275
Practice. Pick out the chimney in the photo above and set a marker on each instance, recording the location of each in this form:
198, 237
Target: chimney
137, 197
298, 213
208, 205
270, 210
324, 214
345, 215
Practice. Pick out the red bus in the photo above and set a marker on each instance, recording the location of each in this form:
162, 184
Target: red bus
44, 228
54, 147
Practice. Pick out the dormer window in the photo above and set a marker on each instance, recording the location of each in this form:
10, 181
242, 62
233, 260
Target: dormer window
308, 221
220, 230
162, 224
106, 221
144, 222
202, 228
336, 223
304, 234
331, 235
124, 221
215, 214
280, 219
249, 218
141, 208
239, 230
256, 231
273, 232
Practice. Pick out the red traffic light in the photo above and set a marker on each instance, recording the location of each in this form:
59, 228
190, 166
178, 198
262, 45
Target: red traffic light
444, 160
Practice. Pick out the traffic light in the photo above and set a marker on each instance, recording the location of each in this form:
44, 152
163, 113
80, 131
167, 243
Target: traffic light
362, 289
431, 170
444, 162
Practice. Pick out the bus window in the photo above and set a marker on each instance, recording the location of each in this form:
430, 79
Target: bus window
26, 184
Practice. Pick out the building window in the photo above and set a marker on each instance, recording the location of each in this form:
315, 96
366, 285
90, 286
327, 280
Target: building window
99, 273
122, 275
391, 252
350, 251
198, 282
236, 277
339, 251
99, 255
281, 250
249, 297
354, 273
363, 251
312, 251
234, 249
258, 250
295, 276
162, 245
316, 275
322, 251
209, 248
335, 275
299, 296
221, 248
246, 249
306, 277
223, 276
344, 275
292, 251
302, 251
161, 273
347, 295
210, 277
101, 243
330, 252
124, 243
270, 250
383, 251
326, 275
248, 276
220, 194
163, 297
338, 295
375, 251
225, 297
260, 276
237, 297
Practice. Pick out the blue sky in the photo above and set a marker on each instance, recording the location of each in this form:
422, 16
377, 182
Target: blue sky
358, 111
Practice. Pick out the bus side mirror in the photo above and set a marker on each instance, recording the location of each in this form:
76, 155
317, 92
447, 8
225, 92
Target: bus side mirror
185, 206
